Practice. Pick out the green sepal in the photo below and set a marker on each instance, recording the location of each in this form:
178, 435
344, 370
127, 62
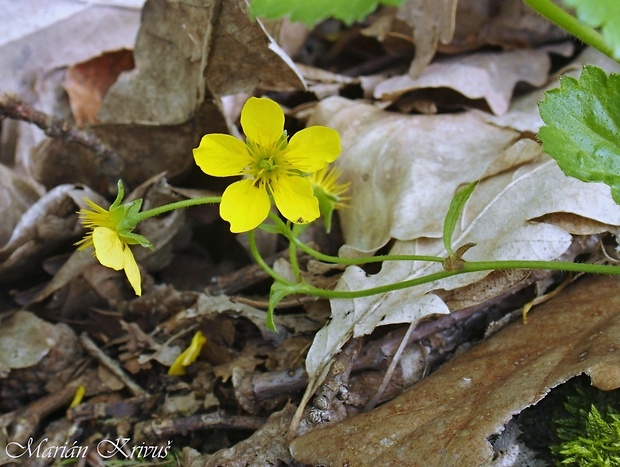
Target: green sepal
582, 131
453, 215
327, 206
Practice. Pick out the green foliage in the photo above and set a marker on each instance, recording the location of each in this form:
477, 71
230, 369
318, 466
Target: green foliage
311, 12
583, 127
589, 437
603, 14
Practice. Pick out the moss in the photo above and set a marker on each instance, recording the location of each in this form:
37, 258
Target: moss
576, 424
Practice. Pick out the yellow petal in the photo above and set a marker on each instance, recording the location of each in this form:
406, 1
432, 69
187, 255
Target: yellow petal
244, 205
262, 120
132, 271
295, 199
188, 356
313, 148
221, 155
108, 248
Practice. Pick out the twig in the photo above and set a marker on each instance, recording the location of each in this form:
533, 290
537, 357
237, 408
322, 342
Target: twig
390, 371
111, 365
162, 428
13, 107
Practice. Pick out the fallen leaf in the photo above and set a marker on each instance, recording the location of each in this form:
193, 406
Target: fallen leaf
433, 22
446, 418
38, 37
88, 82
49, 223
404, 169
266, 446
491, 76
17, 194
186, 53
497, 219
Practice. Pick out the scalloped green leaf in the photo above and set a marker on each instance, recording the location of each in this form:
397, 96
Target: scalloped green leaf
582, 131
603, 14
311, 12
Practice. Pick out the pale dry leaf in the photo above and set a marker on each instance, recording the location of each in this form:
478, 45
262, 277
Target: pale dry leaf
39, 36
404, 169
497, 219
433, 22
23, 341
17, 194
49, 223
446, 418
187, 52
504, 23
491, 76
523, 114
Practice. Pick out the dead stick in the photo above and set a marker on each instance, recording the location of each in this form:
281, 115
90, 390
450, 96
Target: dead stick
13, 107
111, 365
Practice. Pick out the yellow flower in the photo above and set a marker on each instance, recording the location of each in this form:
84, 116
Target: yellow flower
111, 234
329, 192
188, 356
272, 166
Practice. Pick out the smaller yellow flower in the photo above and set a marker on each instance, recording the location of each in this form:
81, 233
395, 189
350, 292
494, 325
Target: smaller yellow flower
329, 192
188, 356
111, 234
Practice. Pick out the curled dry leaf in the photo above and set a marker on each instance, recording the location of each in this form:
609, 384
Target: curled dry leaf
446, 418
187, 52
47, 224
17, 194
404, 169
433, 22
497, 219
491, 76
38, 37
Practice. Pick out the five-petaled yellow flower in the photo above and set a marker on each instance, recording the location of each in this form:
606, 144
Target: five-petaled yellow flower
111, 234
272, 166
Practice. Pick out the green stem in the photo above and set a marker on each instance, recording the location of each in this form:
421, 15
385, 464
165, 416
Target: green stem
262, 263
468, 266
473, 266
348, 261
178, 205
569, 23
292, 253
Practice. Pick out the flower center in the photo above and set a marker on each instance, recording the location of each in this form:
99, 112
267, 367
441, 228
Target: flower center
268, 161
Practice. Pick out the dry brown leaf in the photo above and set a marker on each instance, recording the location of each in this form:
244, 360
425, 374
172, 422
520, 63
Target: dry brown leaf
88, 82
187, 52
432, 22
17, 194
507, 23
266, 446
47, 224
491, 76
39, 36
446, 418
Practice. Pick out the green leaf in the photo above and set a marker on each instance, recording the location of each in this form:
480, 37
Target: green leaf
603, 14
311, 12
583, 127
454, 212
